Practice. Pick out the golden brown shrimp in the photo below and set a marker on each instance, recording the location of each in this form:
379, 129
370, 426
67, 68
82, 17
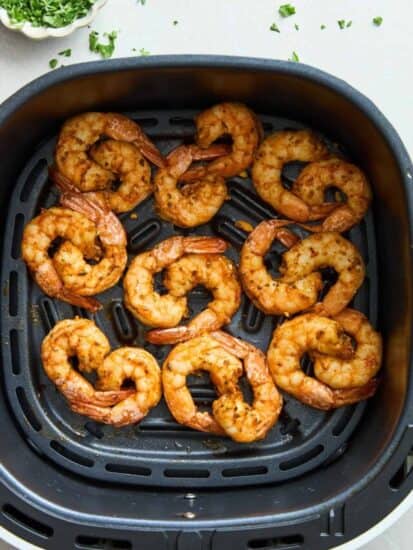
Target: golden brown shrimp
241, 421
363, 366
319, 176
38, 236
196, 202
216, 273
276, 151
326, 250
327, 341
82, 339
220, 354
81, 132
77, 275
245, 130
274, 296
122, 364
140, 297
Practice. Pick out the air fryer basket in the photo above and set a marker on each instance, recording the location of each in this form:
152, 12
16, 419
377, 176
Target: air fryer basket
320, 478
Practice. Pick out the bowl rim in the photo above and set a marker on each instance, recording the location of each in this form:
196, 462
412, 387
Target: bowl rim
39, 33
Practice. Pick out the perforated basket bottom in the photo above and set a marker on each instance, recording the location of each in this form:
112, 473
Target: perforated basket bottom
158, 451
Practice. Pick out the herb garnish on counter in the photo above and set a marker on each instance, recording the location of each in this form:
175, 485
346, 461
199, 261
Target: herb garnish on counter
105, 50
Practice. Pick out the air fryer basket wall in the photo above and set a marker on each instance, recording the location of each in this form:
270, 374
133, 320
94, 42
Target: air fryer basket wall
51, 507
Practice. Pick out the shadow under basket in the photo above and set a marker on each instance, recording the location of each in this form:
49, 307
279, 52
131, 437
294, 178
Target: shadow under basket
319, 478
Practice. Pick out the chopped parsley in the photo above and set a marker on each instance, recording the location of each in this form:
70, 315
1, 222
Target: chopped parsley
286, 10
343, 24
105, 50
53, 63
297, 28
274, 27
144, 52
294, 57
50, 13
175, 22
142, 2
378, 21
322, 27
66, 53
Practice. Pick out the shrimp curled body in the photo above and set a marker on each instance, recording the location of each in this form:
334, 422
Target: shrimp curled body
216, 273
147, 305
274, 296
109, 403
220, 354
326, 250
313, 181
67, 275
245, 130
277, 150
196, 202
81, 132
343, 375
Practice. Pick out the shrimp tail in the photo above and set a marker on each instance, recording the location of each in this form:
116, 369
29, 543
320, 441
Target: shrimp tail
64, 184
204, 245
233, 345
107, 415
85, 302
99, 398
211, 152
349, 396
166, 336
150, 151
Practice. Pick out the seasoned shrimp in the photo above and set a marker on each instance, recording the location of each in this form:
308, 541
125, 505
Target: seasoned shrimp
38, 236
82, 339
140, 297
77, 275
327, 341
81, 132
276, 151
220, 354
319, 176
125, 363
274, 296
326, 250
215, 272
363, 366
245, 130
196, 202
241, 421
201, 353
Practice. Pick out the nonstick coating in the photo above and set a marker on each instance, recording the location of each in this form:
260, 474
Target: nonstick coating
159, 451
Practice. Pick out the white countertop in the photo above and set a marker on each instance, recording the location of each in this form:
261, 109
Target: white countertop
376, 60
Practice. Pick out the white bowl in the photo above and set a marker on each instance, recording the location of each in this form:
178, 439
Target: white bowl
38, 33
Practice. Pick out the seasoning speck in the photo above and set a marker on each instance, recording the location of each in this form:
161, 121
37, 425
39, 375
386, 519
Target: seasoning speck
245, 226
294, 57
274, 27
134, 216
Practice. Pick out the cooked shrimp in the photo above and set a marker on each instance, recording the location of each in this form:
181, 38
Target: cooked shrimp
276, 151
38, 237
81, 132
140, 297
126, 363
274, 296
77, 275
363, 366
220, 354
201, 353
326, 250
325, 339
245, 130
82, 339
196, 202
216, 273
241, 421
319, 176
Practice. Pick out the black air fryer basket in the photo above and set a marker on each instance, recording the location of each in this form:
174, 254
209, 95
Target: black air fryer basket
320, 478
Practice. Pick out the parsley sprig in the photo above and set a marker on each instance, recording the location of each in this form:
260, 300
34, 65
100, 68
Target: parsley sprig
286, 10
52, 13
105, 50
